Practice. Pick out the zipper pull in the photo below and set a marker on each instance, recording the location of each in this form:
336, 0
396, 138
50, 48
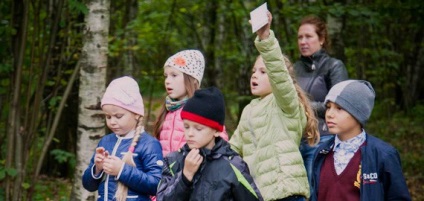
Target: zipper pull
324, 127
313, 66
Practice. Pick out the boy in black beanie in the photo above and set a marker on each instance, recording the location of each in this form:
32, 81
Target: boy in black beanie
355, 165
206, 168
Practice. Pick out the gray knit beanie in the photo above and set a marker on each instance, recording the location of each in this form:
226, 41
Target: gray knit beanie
354, 96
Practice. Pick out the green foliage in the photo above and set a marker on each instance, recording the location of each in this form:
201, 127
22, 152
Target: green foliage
77, 6
63, 156
51, 188
54, 102
11, 172
7, 172
25, 185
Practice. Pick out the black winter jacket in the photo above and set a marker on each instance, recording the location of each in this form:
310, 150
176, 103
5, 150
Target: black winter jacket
316, 75
222, 176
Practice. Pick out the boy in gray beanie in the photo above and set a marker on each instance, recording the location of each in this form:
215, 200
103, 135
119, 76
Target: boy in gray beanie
355, 165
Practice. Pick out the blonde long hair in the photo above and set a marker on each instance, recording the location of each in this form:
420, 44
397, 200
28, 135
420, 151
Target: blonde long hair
122, 190
191, 84
311, 133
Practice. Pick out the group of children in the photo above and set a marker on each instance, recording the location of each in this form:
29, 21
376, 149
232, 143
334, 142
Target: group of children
190, 157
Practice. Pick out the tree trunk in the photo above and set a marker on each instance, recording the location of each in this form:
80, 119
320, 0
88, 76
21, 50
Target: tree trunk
130, 36
14, 141
211, 76
91, 126
413, 72
335, 28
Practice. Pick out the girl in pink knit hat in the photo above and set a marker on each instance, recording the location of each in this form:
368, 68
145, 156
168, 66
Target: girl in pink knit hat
128, 162
183, 73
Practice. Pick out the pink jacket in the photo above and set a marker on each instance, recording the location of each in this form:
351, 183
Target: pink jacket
172, 134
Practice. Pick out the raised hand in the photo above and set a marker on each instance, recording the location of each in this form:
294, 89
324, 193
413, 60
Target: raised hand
263, 33
192, 163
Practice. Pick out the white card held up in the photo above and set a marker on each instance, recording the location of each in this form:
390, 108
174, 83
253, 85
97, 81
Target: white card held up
259, 17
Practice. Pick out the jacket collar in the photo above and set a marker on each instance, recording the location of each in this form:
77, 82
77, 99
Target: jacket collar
312, 61
221, 148
129, 135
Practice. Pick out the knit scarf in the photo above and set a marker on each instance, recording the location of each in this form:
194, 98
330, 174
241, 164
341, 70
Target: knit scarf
172, 104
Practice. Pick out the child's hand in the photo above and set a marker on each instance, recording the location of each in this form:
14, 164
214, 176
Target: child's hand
263, 33
192, 163
99, 157
112, 165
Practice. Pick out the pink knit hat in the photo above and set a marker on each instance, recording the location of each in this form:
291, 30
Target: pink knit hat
124, 92
190, 62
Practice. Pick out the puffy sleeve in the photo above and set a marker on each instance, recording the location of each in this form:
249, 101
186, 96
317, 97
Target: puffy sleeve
281, 83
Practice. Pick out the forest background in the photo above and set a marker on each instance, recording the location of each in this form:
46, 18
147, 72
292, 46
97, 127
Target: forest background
43, 58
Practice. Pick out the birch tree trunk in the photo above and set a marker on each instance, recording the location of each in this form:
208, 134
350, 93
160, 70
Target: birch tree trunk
91, 125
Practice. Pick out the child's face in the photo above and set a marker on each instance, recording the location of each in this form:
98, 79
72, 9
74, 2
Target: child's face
340, 122
198, 135
174, 83
259, 81
119, 120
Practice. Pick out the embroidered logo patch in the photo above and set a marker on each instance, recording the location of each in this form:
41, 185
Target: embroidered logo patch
159, 162
370, 178
357, 183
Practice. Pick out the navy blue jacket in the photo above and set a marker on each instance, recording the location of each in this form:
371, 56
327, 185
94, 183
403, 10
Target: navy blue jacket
381, 171
141, 180
222, 176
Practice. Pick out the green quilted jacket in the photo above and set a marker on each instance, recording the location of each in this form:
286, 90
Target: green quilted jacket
270, 129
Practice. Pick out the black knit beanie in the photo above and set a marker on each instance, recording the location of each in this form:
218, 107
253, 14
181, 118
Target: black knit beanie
206, 107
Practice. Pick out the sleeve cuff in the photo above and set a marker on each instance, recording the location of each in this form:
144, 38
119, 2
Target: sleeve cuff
266, 42
186, 181
93, 173
120, 171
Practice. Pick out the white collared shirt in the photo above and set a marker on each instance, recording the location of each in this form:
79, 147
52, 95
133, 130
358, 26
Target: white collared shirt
344, 151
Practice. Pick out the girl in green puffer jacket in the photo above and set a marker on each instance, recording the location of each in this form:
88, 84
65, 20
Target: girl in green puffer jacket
271, 126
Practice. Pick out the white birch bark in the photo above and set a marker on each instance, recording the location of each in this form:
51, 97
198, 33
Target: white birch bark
91, 124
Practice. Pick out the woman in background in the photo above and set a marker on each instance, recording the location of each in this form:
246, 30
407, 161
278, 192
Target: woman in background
316, 72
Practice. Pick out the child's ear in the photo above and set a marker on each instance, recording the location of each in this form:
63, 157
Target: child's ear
216, 134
